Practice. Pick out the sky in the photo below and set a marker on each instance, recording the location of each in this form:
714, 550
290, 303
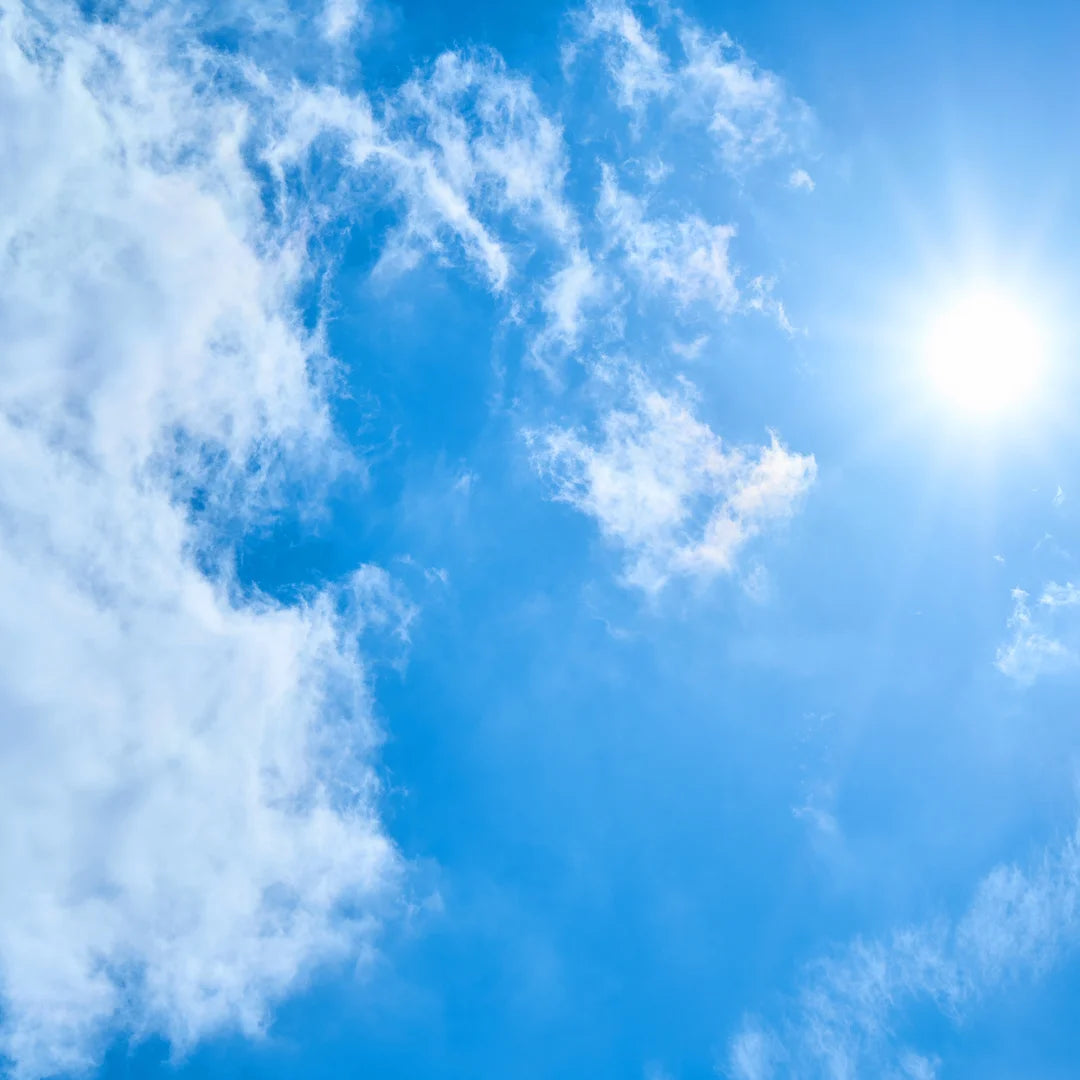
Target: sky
539, 540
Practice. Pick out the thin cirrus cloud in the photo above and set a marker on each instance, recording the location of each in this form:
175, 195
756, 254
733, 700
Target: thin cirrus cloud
688, 258
1044, 636
169, 738
851, 1004
341, 18
659, 483
475, 162
473, 140
705, 78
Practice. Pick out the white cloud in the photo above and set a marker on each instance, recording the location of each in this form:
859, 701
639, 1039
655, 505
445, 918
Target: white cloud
1036, 648
463, 148
657, 170
707, 80
916, 1067
340, 18
753, 1054
690, 350
688, 258
801, 180
477, 168
1055, 595
1017, 925
661, 485
464, 483
749, 110
632, 55
189, 767
760, 297
574, 290
471, 141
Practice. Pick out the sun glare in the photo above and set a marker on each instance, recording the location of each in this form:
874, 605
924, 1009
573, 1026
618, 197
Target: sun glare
985, 353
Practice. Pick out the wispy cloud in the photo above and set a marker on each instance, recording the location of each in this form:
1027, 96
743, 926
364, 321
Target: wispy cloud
194, 763
473, 140
665, 488
1056, 595
851, 1004
702, 78
341, 18
749, 110
638, 68
1039, 645
463, 148
686, 258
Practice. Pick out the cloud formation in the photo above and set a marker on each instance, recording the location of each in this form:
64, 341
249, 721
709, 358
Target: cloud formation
665, 488
687, 259
1044, 639
191, 763
660, 55
844, 1021
186, 769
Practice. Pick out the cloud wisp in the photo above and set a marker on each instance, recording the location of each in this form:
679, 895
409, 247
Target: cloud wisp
847, 1018
663, 486
1045, 637
687, 259
661, 56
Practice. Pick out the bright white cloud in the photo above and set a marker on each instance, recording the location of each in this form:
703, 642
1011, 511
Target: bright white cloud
688, 258
705, 78
463, 148
1039, 645
472, 142
189, 769
749, 110
661, 485
1055, 595
572, 288
1018, 924
631, 54
801, 180
569, 304
478, 168
341, 17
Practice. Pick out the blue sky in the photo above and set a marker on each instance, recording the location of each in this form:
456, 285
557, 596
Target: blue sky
491, 583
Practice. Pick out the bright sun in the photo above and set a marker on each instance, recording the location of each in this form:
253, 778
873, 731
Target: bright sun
985, 353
